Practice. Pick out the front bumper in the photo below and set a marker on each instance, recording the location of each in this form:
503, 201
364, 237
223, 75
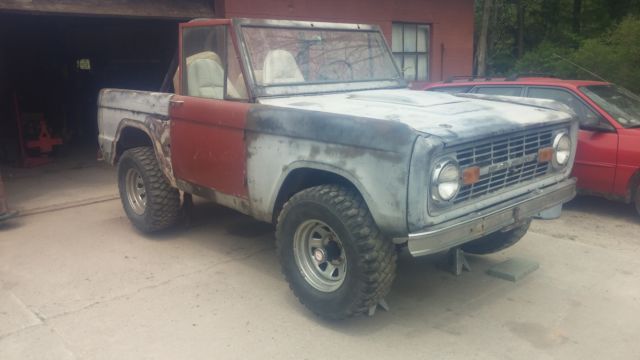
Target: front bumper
461, 230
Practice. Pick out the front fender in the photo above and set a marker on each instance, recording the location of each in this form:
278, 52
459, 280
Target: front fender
381, 181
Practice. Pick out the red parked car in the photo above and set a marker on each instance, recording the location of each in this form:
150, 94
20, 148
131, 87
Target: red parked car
608, 156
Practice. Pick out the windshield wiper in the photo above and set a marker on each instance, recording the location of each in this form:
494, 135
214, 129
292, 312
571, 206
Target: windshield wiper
635, 126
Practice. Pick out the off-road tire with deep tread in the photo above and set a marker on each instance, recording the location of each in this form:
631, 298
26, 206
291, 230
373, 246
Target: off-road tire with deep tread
371, 265
163, 200
496, 241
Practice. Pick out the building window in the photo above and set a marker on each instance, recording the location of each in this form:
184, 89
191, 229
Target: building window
410, 46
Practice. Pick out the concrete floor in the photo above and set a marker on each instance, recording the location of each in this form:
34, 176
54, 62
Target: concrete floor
69, 181
81, 283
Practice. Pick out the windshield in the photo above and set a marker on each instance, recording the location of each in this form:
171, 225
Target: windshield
291, 56
622, 105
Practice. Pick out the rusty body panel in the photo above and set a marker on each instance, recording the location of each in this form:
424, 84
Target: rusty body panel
208, 143
147, 112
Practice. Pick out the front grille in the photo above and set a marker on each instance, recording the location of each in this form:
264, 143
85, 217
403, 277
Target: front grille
491, 156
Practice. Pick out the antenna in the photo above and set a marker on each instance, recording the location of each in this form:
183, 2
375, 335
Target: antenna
580, 67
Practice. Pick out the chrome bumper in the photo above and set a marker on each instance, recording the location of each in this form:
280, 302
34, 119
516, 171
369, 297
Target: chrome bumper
461, 230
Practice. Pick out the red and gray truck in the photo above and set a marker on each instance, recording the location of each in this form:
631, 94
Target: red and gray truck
310, 126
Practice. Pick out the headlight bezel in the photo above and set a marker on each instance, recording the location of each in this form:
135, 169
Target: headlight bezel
439, 169
561, 139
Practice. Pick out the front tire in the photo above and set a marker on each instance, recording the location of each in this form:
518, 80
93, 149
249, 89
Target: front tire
149, 201
496, 241
332, 254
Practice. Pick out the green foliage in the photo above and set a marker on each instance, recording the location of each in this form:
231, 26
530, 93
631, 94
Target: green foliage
614, 55
544, 59
606, 41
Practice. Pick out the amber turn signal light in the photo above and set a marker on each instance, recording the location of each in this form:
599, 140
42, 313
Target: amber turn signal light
470, 175
545, 154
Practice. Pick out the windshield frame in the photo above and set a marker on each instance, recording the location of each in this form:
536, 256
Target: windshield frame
259, 90
618, 89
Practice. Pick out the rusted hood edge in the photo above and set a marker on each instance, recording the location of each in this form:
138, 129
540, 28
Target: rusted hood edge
332, 128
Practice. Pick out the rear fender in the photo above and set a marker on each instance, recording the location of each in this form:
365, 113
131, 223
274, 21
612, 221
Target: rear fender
120, 111
158, 133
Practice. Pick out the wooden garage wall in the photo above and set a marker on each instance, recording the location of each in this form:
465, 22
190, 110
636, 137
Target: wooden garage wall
167, 9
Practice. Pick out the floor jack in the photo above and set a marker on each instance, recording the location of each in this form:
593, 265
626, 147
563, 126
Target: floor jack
44, 143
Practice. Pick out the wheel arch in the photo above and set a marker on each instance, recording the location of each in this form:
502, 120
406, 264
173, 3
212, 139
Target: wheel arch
133, 133
304, 175
128, 137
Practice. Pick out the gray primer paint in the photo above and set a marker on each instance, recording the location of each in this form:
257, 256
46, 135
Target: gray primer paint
373, 155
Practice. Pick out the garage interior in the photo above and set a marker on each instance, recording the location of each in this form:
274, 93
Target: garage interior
52, 67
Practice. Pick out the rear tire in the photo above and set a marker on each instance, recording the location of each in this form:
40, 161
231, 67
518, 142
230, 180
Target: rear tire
149, 201
496, 241
332, 254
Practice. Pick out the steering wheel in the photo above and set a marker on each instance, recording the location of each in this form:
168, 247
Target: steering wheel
336, 70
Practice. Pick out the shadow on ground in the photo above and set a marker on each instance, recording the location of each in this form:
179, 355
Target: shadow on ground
598, 206
423, 285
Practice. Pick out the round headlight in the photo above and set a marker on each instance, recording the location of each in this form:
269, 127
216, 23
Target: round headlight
561, 149
446, 180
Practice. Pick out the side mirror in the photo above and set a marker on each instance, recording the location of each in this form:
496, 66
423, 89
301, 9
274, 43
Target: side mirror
600, 126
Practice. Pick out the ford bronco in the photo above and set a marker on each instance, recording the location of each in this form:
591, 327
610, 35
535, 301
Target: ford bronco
311, 126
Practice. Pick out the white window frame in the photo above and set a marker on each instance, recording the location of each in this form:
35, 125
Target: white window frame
400, 52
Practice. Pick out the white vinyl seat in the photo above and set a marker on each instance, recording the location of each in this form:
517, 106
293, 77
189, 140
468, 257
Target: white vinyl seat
280, 67
205, 78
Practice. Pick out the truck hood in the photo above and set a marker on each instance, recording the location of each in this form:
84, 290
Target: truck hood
452, 118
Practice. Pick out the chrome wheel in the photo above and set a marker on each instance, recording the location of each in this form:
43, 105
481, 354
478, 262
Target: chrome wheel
319, 255
136, 192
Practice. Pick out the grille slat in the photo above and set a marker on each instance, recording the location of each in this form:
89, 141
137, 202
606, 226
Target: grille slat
499, 151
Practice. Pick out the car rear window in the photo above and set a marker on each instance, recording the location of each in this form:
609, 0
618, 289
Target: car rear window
499, 90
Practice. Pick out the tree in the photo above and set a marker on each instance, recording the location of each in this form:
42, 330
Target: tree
523, 35
520, 5
613, 55
482, 38
577, 10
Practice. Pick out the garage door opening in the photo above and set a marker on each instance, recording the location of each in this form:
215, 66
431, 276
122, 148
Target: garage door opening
52, 68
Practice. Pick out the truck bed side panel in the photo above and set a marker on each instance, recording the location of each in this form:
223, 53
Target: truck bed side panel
146, 111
